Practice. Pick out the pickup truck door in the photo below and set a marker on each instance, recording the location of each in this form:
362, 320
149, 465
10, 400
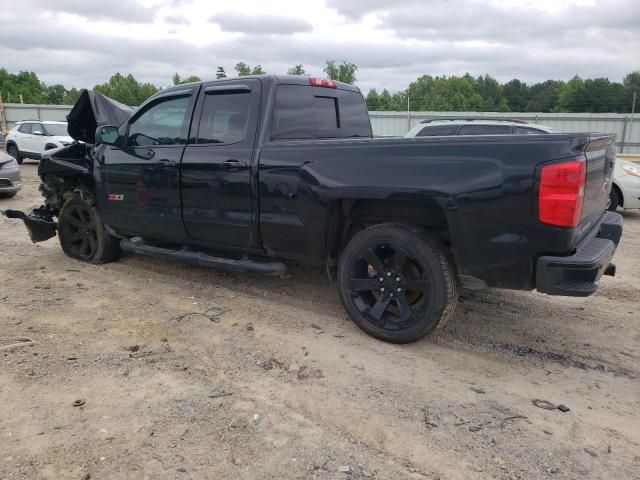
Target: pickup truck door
217, 190
140, 191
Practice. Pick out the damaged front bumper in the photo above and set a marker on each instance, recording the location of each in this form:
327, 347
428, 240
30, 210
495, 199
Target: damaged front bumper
39, 223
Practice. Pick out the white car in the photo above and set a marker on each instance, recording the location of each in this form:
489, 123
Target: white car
625, 191
28, 139
443, 126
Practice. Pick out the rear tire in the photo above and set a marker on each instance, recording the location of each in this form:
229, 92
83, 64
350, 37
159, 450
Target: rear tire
83, 235
614, 200
397, 282
12, 149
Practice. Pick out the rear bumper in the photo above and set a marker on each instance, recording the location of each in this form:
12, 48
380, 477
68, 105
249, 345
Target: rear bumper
576, 275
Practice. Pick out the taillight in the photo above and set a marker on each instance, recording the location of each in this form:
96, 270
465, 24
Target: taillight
561, 192
322, 82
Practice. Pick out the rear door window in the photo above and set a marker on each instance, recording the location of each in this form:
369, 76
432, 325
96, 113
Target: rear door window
311, 112
437, 130
485, 130
224, 117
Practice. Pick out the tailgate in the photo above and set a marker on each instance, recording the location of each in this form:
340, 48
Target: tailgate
600, 158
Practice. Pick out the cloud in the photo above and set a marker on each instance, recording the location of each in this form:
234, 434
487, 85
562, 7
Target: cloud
126, 12
402, 43
260, 24
176, 20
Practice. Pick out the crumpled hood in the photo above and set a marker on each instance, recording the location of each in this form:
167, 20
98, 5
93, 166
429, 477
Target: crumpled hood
93, 110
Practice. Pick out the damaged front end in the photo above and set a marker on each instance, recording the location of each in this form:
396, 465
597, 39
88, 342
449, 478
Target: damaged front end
68, 171
62, 172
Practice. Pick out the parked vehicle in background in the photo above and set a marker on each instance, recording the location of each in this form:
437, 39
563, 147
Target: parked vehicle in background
10, 181
476, 126
625, 192
238, 174
29, 139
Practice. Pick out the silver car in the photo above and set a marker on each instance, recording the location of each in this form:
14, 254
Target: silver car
10, 181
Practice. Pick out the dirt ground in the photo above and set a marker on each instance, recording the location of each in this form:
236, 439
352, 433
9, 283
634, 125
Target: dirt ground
274, 381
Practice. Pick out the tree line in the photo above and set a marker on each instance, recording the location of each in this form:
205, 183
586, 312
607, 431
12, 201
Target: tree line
485, 94
427, 93
26, 87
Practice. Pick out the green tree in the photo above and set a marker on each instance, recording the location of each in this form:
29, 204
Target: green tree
516, 94
345, 72
220, 73
543, 97
243, 69
490, 91
296, 70
26, 84
373, 100
126, 89
177, 80
572, 96
55, 94
71, 96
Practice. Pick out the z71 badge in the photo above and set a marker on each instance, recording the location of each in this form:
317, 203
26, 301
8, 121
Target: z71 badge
115, 196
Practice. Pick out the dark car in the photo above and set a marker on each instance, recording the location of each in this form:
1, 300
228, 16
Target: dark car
240, 174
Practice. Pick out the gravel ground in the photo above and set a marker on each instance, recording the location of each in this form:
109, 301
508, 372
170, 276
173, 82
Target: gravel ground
153, 370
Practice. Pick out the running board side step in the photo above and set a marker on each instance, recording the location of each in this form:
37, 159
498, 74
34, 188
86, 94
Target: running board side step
202, 259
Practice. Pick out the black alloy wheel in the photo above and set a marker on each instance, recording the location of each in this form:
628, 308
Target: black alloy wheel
397, 283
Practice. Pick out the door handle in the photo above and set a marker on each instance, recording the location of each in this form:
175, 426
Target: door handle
233, 164
167, 163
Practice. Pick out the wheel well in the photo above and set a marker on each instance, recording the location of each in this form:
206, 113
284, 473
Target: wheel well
620, 196
350, 216
11, 142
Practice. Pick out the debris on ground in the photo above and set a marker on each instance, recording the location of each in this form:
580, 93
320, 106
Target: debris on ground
544, 404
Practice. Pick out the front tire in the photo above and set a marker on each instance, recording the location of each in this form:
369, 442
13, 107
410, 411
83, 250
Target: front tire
83, 235
14, 151
397, 282
614, 200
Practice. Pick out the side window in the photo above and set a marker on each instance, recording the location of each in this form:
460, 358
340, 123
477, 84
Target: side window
485, 130
224, 117
311, 112
326, 110
437, 130
528, 131
25, 128
160, 124
294, 115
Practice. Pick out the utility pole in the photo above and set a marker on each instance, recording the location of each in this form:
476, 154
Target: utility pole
408, 113
3, 117
633, 110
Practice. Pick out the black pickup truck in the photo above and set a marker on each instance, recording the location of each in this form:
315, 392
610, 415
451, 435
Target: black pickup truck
240, 174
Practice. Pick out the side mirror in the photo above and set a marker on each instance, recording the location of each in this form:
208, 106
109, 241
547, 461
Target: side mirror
37, 132
107, 134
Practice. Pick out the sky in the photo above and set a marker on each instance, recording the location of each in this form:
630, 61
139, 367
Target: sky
80, 43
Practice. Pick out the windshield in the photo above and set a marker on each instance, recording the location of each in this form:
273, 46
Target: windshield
57, 129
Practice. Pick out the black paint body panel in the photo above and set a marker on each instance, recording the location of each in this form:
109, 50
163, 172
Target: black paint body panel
280, 200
